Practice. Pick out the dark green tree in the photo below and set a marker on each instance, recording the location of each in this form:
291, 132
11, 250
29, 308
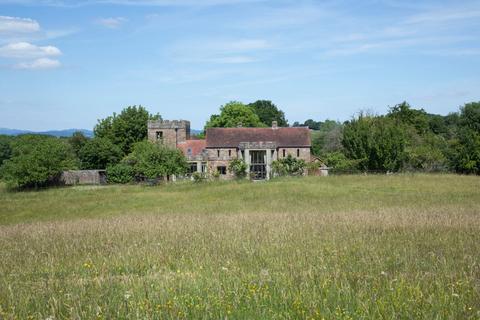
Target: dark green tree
98, 153
126, 128
268, 112
37, 161
233, 114
377, 143
77, 141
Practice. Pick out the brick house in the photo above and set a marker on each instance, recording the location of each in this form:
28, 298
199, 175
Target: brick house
257, 146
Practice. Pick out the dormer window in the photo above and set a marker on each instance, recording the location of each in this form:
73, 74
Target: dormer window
189, 151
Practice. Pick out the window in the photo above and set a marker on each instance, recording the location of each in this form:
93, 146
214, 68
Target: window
218, 153
192, 168
204, 167
229, 153
298, 153
284, 153
222, 170
189, 151
159, 136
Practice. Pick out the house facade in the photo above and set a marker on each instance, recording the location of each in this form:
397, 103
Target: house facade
258, 147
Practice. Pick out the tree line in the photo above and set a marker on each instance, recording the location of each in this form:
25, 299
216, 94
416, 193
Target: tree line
404, 139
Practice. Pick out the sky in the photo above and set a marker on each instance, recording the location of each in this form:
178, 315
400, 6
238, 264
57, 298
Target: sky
65, 63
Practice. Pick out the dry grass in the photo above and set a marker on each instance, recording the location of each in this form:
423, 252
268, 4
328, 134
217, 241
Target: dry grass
385, 257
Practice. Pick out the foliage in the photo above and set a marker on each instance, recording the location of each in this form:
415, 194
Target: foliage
268, 112
5, 149
37, 161
233, 114
465, 155
98, 153
327, 138
150, 160
288, 166
198, 177
77, 141
338, 162
238, 167
120, 173
377, 143
126, 128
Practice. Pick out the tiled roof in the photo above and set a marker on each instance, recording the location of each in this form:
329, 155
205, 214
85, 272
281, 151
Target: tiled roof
195, 146
283, 137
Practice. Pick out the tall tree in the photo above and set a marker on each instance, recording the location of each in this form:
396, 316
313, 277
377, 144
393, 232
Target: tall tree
126, 128
233, 114
268, 112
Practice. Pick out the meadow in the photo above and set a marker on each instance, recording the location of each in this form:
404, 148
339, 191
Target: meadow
338, 247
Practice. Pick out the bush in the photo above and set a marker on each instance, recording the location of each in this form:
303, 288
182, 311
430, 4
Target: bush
238, 167
288, 166
151, 161
120, 173
37, 161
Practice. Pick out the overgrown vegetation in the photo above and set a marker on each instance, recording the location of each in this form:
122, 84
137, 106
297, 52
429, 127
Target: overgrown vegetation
288, 166
238, 167
343, 247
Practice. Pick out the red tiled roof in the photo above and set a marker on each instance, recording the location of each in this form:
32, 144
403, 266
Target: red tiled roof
283, 137
196, 147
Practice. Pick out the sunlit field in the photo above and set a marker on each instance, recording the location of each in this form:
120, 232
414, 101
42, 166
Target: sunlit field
338, 247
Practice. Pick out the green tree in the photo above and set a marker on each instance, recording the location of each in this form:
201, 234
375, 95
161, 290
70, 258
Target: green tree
98, 153
5, 149
378, 143
465, 153
120, 173
77, 141
150, 160
268, 112
232, 114
126, 128
37, 161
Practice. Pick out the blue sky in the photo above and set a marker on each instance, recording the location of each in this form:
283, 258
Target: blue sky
65, 64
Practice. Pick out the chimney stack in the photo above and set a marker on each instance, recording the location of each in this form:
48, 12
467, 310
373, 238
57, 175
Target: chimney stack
274, 125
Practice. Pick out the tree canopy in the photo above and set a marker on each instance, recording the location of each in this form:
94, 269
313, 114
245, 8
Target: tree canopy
268, 112
234, 114
98, 153
126, 128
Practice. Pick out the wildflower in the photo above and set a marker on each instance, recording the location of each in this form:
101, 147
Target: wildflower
127, 295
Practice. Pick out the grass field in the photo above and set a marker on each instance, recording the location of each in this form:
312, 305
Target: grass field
339, 247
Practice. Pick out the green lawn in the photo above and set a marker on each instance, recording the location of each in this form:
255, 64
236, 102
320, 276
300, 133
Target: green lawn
338, 247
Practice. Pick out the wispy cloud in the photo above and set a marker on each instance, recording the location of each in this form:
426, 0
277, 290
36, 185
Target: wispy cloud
38, 64
80, 3
18, 25
28, 50
112, 22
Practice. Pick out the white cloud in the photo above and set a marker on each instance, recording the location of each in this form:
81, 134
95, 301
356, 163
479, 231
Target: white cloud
18, 25
39, 64
112, 23
232, 60
28, 50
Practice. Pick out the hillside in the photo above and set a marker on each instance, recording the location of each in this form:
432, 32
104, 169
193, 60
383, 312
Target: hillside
56, 133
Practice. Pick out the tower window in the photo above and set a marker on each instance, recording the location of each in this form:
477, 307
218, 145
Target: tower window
229, 153
298, 153
159, 136
218, 153
283, 153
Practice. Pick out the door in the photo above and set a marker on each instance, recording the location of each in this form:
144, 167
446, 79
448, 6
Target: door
258, 164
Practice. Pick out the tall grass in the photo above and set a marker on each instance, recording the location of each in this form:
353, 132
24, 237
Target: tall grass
345, 247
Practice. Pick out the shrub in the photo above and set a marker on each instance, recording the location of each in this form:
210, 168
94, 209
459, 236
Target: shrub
120, 173
288, 166
238, 167
37, 161
151, 161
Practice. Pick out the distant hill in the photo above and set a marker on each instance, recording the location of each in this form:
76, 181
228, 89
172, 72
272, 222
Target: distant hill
55, 133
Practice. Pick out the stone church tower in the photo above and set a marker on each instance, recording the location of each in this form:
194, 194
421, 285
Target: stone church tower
169, 133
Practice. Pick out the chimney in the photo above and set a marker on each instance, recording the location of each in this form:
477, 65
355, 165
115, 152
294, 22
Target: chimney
274, 125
